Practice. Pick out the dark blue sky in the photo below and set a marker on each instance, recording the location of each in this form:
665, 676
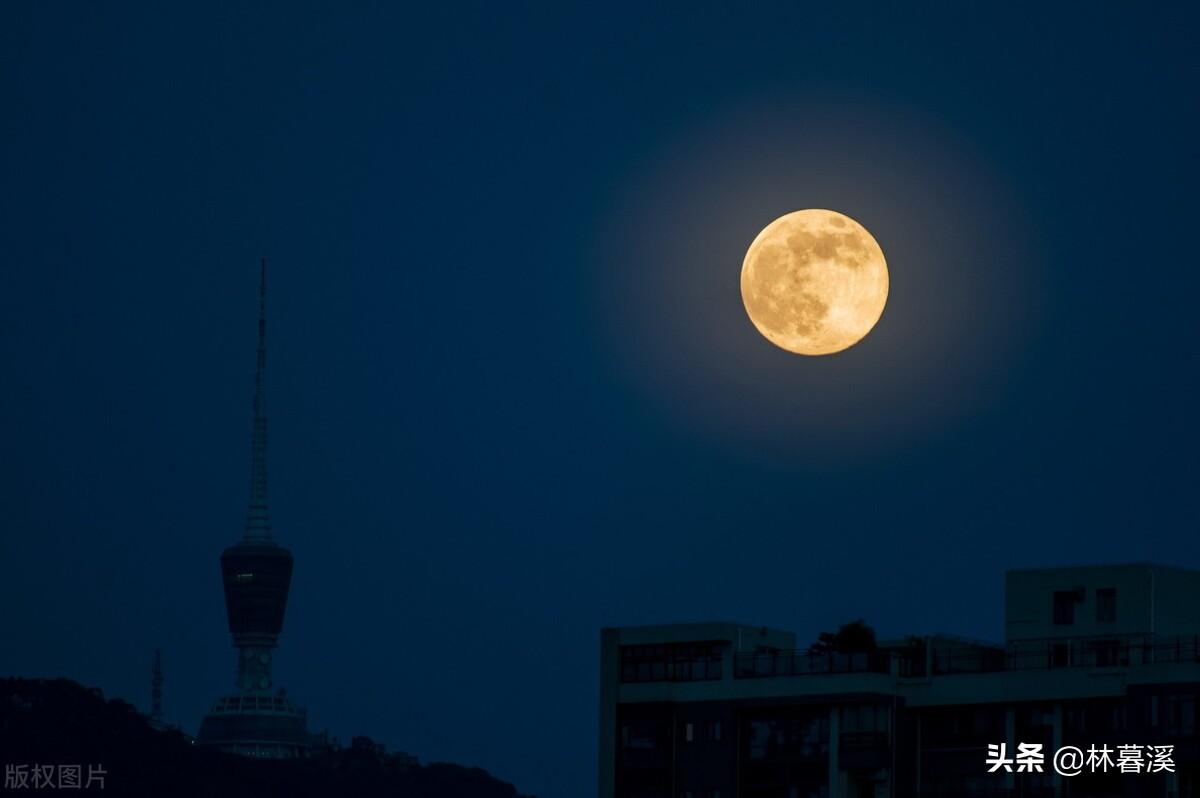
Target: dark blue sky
512, 391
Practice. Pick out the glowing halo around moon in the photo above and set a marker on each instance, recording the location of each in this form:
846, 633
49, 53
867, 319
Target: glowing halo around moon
814, 282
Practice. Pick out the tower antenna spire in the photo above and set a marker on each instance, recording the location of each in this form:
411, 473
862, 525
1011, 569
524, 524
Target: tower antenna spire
258, 524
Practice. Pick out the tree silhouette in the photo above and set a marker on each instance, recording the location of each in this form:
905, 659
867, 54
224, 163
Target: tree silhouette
855, 637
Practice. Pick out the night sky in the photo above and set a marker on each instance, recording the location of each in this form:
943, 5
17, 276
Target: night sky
513, 393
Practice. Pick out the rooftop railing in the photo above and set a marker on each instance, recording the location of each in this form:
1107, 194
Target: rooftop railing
1042, 654
765, 664
1080, 652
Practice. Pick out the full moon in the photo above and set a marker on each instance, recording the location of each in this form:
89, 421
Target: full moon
814, 282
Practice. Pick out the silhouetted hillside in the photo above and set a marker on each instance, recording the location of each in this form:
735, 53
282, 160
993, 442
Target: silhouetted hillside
53, 722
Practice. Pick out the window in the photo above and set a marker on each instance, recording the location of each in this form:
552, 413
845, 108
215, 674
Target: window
688, 733
1182, 715
676, 662
1064, 607
714, 731
864, 718
788, 738
639, 736
1060, 655
1107, 653
1106, 605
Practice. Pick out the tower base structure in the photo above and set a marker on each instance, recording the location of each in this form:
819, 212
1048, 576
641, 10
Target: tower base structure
258, 725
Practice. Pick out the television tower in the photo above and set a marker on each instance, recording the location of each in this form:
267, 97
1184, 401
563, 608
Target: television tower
257, 572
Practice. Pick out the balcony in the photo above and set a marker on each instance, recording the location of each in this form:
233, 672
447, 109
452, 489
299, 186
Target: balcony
768, 664
1025, 655
1079, 652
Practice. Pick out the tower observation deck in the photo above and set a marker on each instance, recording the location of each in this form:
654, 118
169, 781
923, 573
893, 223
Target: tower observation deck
256, 572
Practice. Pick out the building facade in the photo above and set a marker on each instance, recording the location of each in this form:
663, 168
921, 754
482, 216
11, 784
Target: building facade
1092, 657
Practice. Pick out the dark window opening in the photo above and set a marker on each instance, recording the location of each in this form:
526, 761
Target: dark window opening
1064, 607
676, 662
1181, 715
1106, 605
1108, 653
639, 736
